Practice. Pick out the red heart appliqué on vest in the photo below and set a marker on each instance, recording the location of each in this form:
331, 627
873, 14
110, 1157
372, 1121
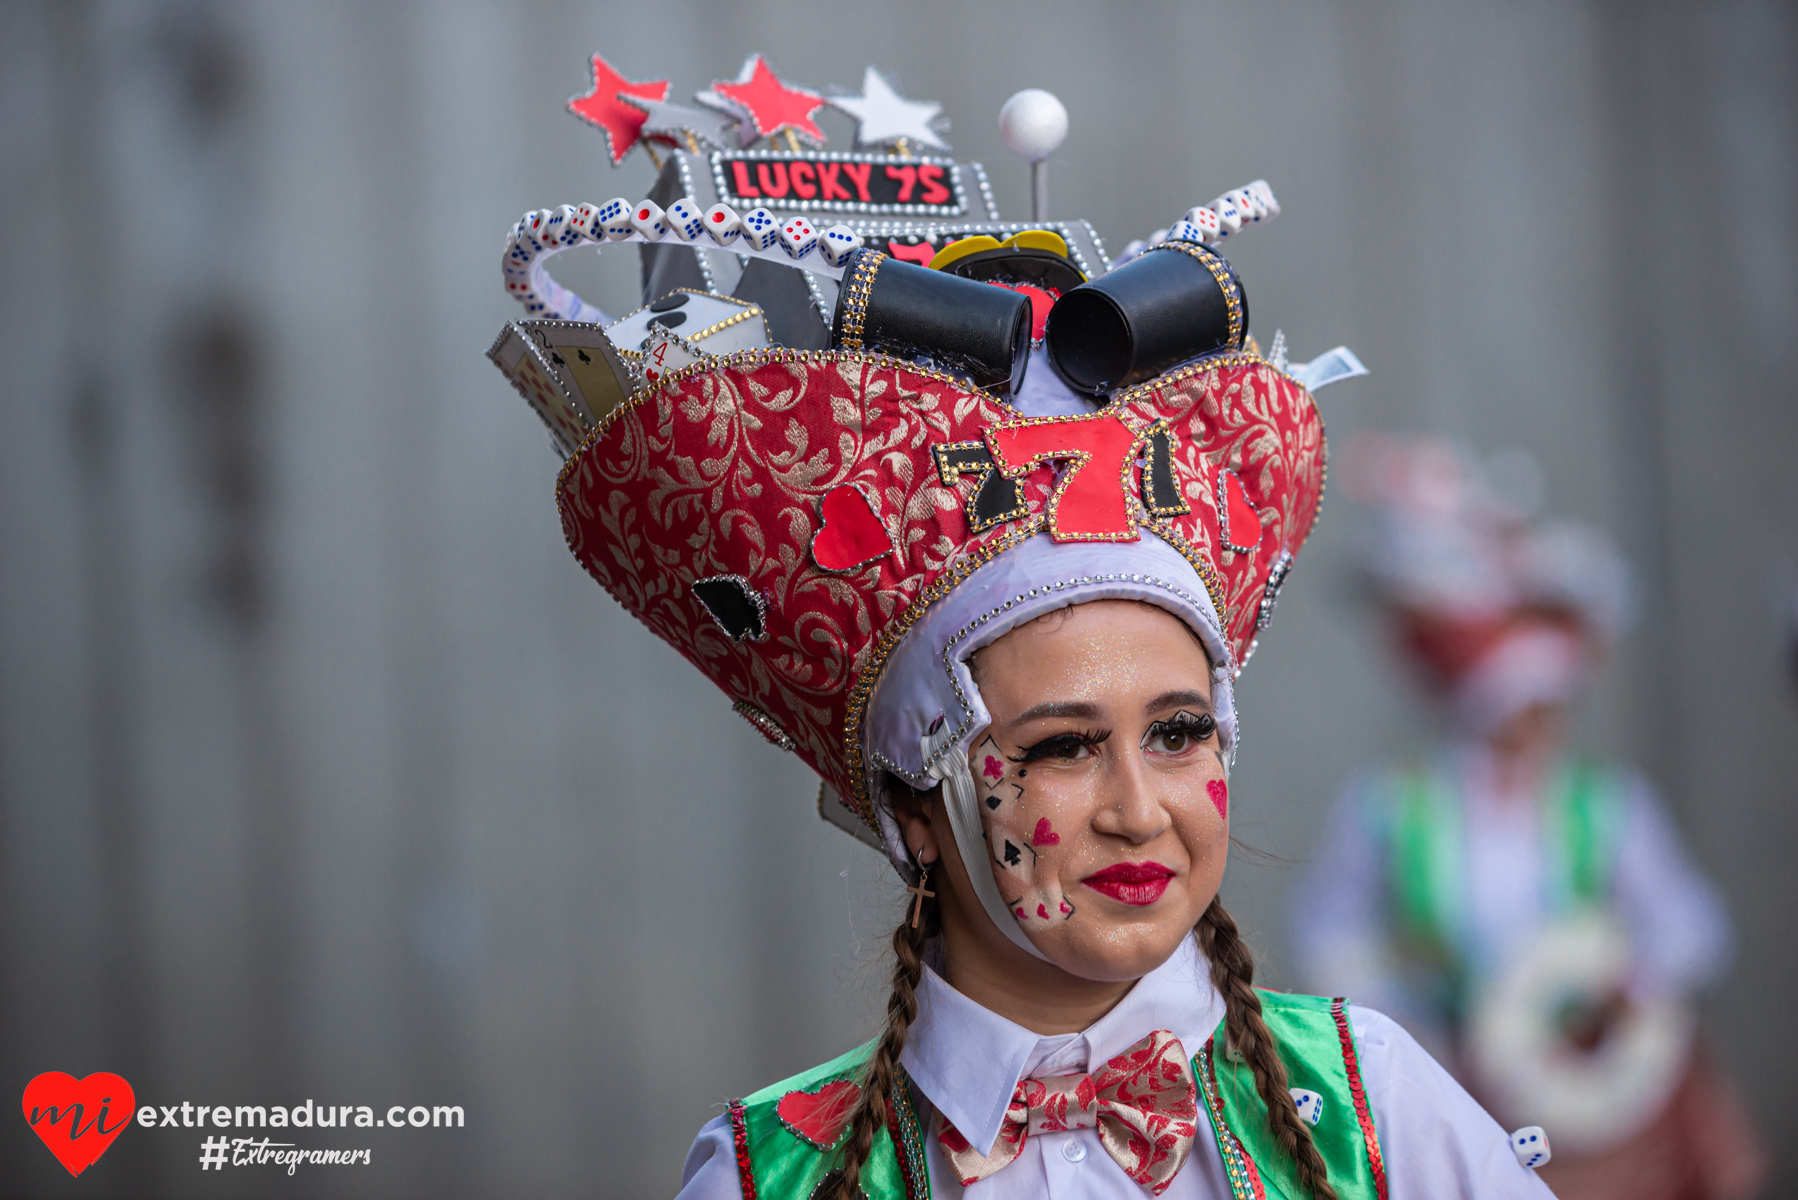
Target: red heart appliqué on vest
1241, 524
78, 1118
819, 1117
853, 534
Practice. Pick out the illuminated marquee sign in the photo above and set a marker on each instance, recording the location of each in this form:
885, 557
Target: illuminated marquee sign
859, 183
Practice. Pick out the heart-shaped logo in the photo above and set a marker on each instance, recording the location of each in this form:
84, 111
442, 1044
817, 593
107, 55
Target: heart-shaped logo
78, 1118
819, 1117
1239, 525
852, 535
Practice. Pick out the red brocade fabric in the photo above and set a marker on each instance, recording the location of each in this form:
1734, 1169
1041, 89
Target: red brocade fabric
723, 467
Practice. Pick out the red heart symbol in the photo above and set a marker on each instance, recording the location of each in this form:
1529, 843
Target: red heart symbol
78, 1118
1219, 791
1045, 836
1241, 529
853, 534
819, 1117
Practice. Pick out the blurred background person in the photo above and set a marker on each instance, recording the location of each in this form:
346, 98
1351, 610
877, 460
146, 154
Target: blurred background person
1530, 913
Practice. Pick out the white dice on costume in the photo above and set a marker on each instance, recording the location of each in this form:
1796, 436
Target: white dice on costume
723, 223
798, 237
1209, 224
649, 220
685, 218
760, 228
1309, 1104
615, 219
1530, 1144
543, 232
837, 243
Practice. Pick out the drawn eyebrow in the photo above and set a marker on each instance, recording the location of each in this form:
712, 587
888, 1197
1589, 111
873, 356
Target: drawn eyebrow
1078, 709
1178, 699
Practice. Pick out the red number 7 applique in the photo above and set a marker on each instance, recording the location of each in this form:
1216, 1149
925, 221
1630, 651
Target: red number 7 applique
1093, 500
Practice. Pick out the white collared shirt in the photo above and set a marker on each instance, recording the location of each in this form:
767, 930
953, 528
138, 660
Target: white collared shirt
1438, 1143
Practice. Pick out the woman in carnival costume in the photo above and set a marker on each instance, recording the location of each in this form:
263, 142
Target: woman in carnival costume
1527, 912
990, 564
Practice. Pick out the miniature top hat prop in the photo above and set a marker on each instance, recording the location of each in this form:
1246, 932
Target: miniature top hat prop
1175, 302
955, 324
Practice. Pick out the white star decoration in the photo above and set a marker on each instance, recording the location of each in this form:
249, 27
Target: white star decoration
884, 117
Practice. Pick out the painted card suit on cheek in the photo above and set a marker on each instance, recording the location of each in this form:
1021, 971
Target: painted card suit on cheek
852, 535
1219, 791
819, 1117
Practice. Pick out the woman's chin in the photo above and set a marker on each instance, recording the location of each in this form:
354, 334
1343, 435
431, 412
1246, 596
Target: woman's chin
1112, 951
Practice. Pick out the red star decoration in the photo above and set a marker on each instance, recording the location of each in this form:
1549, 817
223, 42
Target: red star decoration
771, 105
620, 122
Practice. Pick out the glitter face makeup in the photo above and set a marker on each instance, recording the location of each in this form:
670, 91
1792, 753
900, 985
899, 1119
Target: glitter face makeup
1101, 785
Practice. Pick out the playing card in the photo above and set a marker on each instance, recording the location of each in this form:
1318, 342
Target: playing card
586, 363
717, 324
666, 352
522, 362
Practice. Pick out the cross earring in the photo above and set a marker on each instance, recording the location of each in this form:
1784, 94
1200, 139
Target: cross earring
918, 889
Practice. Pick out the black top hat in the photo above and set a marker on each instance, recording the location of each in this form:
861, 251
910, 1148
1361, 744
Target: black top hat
1174, 302
956, 324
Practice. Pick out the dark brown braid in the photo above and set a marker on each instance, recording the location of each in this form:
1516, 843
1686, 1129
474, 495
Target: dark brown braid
1233, 973
880, 1080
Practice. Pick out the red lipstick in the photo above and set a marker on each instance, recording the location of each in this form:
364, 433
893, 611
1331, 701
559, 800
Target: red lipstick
1131, 883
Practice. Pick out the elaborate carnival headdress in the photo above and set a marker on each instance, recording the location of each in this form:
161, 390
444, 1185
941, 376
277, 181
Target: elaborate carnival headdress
862, 426
1497, 606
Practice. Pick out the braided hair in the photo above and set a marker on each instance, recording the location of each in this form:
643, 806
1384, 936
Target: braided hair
1233, 974
880, 1079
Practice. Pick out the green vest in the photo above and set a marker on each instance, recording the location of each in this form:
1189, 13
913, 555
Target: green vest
1582, 821
777, 1160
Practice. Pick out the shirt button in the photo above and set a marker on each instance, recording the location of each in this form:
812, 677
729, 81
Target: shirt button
1074, 1150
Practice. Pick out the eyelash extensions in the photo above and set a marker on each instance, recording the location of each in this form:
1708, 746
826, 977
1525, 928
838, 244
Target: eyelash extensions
1060, 742
1198, 728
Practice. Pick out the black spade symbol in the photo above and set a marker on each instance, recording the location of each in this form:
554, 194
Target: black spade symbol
737, 610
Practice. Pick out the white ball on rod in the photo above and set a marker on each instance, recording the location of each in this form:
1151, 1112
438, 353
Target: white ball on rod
1033, 123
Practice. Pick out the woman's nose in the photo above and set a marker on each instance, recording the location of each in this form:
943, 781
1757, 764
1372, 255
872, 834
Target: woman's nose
1130, 807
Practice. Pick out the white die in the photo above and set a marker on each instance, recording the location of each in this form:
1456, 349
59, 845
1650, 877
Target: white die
684, 215
760, 228
1249, 203
533, 230
1265, 194
723, 223
1309, 1104
798, 237
1228, 214
586, 224
614, 219
838, 243
561, 228
1530, 1145
648, 219
1205, 219
1185, 231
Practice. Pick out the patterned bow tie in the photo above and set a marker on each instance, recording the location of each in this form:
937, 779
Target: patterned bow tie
1143, 1102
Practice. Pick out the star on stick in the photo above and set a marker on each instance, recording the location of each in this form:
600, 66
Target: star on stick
767, 105
605, 106
690, 128
885, 119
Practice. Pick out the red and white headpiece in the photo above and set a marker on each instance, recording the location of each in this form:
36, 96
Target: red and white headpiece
1499, 609
829, 533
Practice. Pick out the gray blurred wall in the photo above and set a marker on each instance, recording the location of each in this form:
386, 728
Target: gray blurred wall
326, 773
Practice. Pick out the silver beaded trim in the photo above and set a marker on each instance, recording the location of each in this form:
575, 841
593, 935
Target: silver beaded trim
966, 723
